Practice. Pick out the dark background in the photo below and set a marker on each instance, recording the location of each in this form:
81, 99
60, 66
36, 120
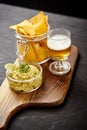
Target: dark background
75, 8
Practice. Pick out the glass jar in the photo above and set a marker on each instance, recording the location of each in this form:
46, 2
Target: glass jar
32, 49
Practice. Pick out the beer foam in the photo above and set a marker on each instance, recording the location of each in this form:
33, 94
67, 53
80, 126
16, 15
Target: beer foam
59, 42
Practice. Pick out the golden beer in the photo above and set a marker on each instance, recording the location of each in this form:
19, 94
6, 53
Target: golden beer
60, 54
59, 49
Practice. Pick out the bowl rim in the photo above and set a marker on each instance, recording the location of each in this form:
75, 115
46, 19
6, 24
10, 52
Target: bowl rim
28, 80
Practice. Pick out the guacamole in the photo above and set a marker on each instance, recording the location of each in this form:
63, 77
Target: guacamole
24, 77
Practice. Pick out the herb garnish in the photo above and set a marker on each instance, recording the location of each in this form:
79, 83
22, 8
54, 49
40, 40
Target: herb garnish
24, 68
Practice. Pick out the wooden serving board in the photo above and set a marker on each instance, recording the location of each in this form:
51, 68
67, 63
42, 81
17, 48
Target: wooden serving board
52, 92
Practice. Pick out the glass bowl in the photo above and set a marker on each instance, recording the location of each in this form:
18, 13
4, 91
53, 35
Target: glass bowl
26, 86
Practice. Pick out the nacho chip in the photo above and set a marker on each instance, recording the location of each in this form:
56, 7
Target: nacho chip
41, 27
24, 23
37, 18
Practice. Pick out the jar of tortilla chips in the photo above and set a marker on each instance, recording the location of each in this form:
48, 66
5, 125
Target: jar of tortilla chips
31, 37
32, 49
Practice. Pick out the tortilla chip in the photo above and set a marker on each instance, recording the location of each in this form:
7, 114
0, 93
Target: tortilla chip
24, 23
41, 27
37, 18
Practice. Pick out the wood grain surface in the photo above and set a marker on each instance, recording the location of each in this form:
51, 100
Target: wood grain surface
52, 92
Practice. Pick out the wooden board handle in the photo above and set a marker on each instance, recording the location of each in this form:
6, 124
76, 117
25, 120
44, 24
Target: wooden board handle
10, 103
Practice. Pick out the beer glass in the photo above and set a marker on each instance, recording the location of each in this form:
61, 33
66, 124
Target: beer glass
59, 46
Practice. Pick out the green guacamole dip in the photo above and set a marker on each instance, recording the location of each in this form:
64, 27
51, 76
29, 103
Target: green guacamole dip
24, 77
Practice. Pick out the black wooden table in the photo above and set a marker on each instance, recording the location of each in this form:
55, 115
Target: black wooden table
72, 114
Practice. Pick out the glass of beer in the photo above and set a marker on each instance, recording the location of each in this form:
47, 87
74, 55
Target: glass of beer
59, 46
